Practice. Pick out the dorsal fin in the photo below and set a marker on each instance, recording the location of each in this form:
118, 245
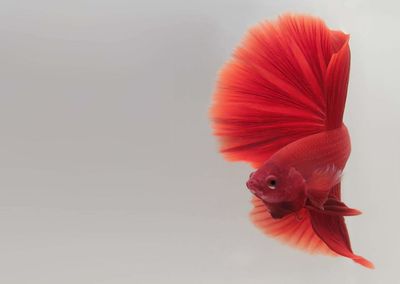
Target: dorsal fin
280, 86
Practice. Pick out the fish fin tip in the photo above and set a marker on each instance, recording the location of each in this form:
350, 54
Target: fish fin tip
364, 262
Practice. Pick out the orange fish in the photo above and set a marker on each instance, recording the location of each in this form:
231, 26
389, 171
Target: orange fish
279, 105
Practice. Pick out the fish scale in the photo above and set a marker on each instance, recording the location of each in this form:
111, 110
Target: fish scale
316, 151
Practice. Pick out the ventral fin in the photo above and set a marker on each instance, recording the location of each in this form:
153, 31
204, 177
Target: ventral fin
335, 207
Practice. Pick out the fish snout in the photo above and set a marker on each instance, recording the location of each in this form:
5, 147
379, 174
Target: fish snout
253, 185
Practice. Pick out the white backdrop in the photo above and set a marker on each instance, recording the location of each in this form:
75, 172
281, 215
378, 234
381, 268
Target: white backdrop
109, 172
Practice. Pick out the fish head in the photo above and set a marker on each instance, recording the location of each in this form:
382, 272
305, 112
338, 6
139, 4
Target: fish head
281, 188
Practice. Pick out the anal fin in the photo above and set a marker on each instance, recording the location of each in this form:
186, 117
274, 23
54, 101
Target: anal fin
333, 231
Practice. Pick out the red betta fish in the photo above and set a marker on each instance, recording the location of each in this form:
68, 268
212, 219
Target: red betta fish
279, 105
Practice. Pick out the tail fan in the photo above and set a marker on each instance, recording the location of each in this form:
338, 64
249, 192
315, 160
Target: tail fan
280, 86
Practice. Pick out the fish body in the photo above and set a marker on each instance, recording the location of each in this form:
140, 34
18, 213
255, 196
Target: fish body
301, 172
279, 105
316, 151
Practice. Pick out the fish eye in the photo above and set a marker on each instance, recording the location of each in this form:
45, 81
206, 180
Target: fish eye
271, 182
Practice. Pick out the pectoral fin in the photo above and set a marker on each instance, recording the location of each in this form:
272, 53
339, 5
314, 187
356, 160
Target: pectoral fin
320, 184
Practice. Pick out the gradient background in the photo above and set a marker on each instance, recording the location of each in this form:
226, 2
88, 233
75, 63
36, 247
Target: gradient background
108, 170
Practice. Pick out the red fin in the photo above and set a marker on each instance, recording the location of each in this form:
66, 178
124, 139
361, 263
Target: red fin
320, 183
293, 229
335, 192
337, 79
332, 230
273, 90
335, 207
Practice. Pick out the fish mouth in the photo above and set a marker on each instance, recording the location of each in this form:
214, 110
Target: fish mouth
262, 193
253, 186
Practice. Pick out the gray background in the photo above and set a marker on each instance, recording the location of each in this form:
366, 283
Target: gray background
108, 170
